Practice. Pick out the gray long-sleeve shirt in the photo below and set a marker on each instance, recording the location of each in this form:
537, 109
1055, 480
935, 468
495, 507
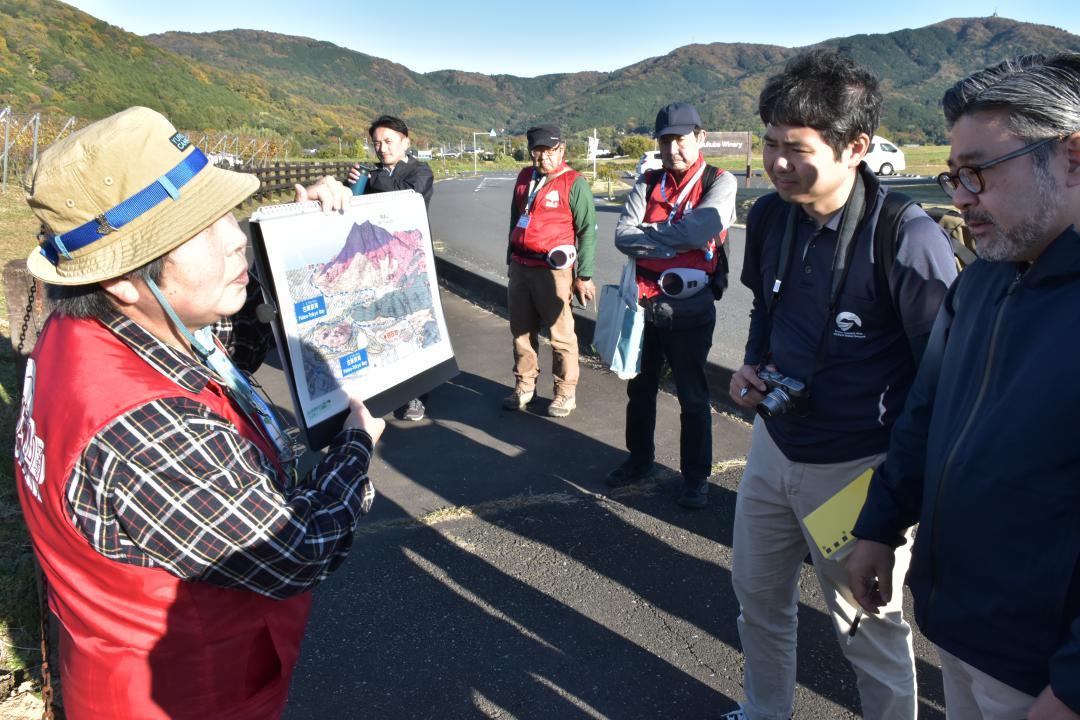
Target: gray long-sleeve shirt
714, 212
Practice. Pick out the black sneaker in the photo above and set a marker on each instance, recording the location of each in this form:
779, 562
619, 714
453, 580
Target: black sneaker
695, 495
629, 473
412, 411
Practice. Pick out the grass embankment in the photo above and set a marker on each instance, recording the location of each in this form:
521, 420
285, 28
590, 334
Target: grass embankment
18, 599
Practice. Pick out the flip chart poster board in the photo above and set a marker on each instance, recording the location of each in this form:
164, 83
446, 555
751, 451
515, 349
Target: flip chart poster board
357, 305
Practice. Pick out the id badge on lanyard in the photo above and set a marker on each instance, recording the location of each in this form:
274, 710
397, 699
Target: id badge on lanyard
523, 219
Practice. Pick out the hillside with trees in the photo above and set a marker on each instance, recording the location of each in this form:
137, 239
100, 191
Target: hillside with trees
55, 58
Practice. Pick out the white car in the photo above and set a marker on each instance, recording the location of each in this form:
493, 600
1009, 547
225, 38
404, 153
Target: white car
649, 161
884, 158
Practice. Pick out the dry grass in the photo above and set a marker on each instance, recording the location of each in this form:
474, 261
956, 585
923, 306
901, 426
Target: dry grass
18, 230
18, 603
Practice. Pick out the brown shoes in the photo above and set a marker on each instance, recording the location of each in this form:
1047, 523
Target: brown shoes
518, 399
562, 406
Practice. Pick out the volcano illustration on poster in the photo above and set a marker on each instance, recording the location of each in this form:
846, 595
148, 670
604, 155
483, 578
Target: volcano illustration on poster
356, 297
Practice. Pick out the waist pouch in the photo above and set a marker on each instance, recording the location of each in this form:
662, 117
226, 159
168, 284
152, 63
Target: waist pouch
680, 314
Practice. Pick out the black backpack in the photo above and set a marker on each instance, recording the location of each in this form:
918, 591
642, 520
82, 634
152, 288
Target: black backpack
887, 232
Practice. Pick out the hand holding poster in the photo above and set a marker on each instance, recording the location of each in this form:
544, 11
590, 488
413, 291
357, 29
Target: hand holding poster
357, 305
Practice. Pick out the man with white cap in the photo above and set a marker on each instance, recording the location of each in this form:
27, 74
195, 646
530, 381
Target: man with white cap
550, 254
159, 489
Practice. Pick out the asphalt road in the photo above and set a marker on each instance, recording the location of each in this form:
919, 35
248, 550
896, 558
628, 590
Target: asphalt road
470, 217
498, 577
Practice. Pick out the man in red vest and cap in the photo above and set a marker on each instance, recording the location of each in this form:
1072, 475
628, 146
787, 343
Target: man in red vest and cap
674, 225
551, 252
177, 542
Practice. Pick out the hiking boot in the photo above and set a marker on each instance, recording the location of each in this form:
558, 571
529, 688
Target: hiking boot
562, 406
629, 473
412, 411
518, 399
695, 496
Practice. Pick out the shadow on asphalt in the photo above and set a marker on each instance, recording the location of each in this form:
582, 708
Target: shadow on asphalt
538, 610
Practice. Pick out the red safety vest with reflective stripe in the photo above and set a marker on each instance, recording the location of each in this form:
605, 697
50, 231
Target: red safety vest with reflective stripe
137, 643
657, 208
551, 223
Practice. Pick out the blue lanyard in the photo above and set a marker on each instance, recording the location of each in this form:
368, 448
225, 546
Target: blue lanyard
242, 391
533, 193
682, 195
236, 384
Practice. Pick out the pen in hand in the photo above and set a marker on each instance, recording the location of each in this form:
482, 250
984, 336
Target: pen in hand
854, 625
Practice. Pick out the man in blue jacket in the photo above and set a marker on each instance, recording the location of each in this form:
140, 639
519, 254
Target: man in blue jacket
985, 455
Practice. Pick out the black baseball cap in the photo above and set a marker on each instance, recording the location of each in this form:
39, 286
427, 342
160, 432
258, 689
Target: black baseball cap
543, 136
678, 118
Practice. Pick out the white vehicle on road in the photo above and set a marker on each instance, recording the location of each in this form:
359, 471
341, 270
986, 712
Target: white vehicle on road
649, 161
884, 158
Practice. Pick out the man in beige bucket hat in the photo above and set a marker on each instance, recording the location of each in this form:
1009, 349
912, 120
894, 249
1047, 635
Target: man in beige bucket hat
177, 542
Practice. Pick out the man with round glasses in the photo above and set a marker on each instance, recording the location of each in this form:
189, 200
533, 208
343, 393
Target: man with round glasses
983, 457
552, 243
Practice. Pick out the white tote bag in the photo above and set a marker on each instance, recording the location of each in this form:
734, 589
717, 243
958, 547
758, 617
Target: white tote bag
620, 325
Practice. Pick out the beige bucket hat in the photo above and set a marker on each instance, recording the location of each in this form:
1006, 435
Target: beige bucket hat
120, 193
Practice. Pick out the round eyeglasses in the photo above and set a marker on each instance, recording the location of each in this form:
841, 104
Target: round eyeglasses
970, 176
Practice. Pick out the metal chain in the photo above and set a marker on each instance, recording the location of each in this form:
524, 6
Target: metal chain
26, 316
43, 627
43, 606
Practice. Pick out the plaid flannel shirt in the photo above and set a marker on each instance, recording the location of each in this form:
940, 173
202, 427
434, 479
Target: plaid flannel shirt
171, 485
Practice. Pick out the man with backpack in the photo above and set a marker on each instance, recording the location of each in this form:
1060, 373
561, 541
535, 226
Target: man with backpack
984, 456
840, 317
674, 224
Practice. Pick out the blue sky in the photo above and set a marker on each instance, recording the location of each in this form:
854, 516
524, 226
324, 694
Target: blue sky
507, 37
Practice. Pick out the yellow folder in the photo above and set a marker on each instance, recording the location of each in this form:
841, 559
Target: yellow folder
831, 524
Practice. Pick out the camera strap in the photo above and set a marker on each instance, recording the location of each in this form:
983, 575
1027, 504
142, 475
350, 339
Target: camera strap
850, 224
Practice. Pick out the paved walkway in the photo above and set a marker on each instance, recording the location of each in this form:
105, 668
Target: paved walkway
498, 577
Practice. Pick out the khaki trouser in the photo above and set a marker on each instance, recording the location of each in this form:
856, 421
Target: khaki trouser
971, 694
770, 543
537, 298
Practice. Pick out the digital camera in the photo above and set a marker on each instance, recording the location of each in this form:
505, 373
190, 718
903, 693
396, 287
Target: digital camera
783, 395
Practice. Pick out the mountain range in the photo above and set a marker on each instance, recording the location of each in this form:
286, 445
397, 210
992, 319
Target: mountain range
54, 58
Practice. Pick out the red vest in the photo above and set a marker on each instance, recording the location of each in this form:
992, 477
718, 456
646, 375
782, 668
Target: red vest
137, 643
657, 208
550, 221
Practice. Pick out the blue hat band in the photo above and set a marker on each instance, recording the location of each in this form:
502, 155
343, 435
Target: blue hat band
165, 187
